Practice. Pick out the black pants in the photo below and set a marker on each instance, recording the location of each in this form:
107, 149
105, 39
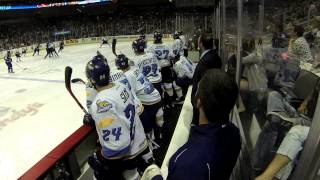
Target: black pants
185, 52
184, 83
113, 168
36, 51
148, 116
158, 87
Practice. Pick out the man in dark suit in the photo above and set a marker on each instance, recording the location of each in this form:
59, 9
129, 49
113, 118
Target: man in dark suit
209, 59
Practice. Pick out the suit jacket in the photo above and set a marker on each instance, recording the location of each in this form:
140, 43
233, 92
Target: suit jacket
210, 60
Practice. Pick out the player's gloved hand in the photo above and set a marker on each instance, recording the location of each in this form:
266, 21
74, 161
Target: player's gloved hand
96, 162
87, 119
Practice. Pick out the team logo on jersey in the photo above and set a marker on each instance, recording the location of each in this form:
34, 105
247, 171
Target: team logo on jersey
103, 106
105, 123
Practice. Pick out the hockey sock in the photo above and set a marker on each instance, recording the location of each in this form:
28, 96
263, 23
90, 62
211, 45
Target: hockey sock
159, 118
131, 174
177, 89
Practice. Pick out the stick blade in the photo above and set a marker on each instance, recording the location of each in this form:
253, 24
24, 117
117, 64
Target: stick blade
77, 80
67, 76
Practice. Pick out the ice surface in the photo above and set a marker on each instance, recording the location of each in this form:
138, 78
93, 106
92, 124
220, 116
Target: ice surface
36, 111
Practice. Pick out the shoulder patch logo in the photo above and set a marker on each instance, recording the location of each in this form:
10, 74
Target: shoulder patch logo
103, 106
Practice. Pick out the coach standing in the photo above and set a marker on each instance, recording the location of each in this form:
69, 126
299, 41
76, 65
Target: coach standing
209, 59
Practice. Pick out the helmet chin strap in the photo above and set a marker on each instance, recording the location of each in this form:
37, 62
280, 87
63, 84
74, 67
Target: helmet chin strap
93, 84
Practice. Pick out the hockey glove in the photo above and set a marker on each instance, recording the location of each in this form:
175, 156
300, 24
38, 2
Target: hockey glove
96, 162
87, 119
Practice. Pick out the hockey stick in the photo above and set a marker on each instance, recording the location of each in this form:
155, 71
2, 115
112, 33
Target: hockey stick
19, 66
76, 80
67, 78
114, 43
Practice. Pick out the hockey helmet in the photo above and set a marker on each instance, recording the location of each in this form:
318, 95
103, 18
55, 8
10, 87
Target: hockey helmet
98, 71
122, 62
157, 36
176, 35
138, 45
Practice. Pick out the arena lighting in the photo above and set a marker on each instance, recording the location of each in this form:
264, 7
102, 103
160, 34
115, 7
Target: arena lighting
44, 5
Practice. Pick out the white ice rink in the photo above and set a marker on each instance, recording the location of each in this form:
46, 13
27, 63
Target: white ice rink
36, 111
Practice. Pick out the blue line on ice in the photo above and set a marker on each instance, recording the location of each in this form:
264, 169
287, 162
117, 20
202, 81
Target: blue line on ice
33, 79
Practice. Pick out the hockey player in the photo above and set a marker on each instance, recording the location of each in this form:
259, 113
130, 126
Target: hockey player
104, 41
119, 128
143, 37
36, 50
178, 45
164, 54
147, 63
8, 62
61, 46
116, 75
190, 44
24, 51
18, 56
184, 70
184, 43
152, 116
53, 50
49, 53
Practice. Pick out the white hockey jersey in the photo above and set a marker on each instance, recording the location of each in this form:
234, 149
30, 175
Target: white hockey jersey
162, 52
149, 65
115, 76
50, 45
183, 41
91, 93
143, 88
177, 47
184, 68
120, 130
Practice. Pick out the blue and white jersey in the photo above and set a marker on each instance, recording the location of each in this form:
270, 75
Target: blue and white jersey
115, 76
50, 45
177, 47
143, 87
91, 93
183, 41
162, 52
149, 65
120, 130
7, 60
184, 68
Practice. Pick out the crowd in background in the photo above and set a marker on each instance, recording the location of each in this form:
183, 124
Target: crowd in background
124, 22
128, 21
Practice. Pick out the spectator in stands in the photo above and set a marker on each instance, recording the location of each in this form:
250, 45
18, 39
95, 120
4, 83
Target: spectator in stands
213, 147
282, 164
299, 49
209, 59
279, 37
253, 73
254, 82
281, 116
316, 32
